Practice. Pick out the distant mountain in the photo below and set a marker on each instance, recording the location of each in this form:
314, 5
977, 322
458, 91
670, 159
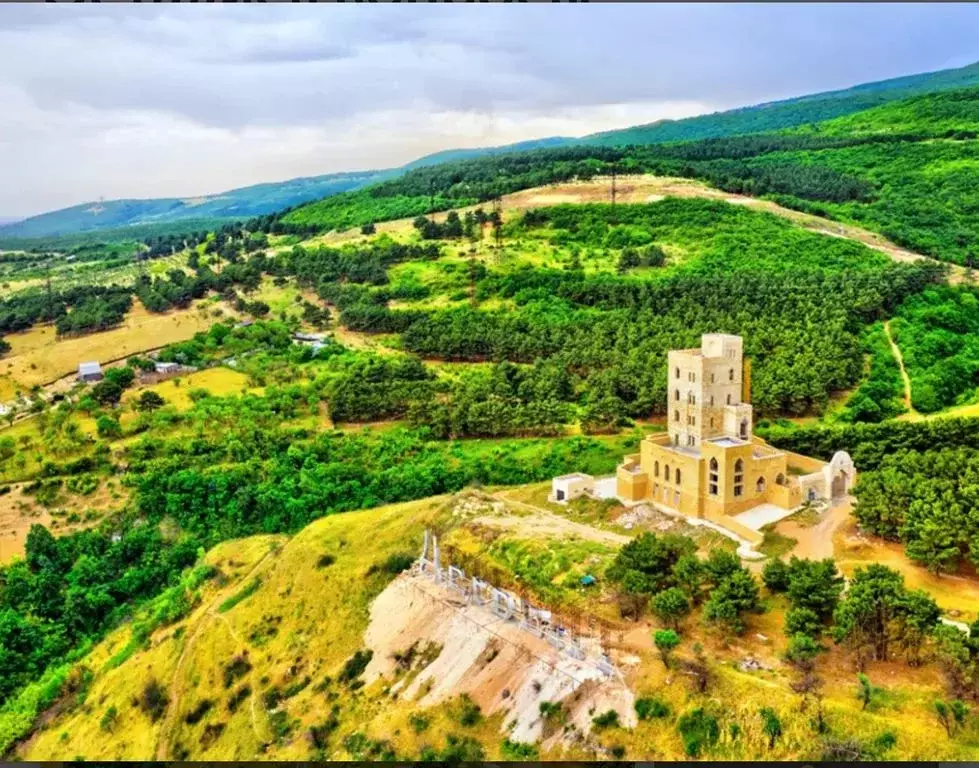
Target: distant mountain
789, 113
9, 219
240, 203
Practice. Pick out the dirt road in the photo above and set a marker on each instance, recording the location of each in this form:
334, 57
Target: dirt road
815, 542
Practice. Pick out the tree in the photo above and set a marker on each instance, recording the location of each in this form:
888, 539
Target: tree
865, 690
951, 715
771, 725
108, 427
671, 605
150, 401
107, 392
803, 621
775, 575
919, 615
865, 617
666, 641
732, 599
652, 559
815, 585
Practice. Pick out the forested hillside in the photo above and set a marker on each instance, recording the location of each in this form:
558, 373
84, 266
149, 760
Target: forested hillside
805, 110
906, 170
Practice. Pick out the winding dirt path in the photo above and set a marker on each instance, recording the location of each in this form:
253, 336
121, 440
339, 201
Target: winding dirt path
815, 542
896, 351
203, 621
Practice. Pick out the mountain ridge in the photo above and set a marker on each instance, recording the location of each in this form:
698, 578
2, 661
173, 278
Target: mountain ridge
269, 197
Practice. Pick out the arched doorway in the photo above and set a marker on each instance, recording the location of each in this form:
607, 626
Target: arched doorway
840, 484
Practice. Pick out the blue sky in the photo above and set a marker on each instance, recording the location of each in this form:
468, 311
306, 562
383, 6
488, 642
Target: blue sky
118, 100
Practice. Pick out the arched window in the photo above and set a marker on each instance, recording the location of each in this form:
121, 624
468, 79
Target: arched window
691, 398
676, 415
712, 466
656, 469
666, 473
738, 477
780, 480
677, 373
730, 375
676, 395
744, 429
728, 399
678, 476
760, 485
739, 466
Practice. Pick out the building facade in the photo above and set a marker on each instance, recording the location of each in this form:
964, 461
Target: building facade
708, 464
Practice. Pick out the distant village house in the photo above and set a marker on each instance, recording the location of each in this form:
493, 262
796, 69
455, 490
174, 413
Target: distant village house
89, 372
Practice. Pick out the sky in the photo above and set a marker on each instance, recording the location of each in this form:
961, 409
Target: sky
157, 100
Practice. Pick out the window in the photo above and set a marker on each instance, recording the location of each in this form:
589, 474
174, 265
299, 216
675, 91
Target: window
780, 480
728, 399
713, 477
666, 473
760, 485
692, 377
656, 469
691, 398
691, 441
678, 476
676, 395
738, 477
712, 400
711, 422
676, 415
712, 378
677, 373
730, 375
744, 429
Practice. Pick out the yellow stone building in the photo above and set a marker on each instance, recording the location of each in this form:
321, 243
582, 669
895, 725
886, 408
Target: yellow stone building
709, 464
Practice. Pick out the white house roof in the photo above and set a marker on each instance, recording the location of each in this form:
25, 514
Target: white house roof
87, 368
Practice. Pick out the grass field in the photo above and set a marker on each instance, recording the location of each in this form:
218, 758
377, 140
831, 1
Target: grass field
218, 381
38, 356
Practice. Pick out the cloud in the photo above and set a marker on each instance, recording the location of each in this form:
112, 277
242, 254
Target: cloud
149, 100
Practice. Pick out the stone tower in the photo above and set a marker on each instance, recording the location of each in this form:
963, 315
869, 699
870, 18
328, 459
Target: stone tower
705, 393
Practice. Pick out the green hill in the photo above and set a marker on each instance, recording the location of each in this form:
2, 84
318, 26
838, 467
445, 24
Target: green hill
778, 115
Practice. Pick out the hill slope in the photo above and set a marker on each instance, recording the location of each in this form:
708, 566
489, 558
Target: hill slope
778, 115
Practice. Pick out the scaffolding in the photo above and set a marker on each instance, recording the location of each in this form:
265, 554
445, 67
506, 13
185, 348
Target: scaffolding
562, 632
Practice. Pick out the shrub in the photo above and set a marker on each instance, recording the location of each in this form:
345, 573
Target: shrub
699, 731
651, 707
469, 712
517, 750
354, 666
154, 699
609, 719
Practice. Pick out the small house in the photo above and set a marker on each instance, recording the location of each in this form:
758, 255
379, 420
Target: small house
89, 372
568, 487
166, 367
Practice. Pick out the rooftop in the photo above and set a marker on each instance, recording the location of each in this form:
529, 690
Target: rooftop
574, 476
89, 368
